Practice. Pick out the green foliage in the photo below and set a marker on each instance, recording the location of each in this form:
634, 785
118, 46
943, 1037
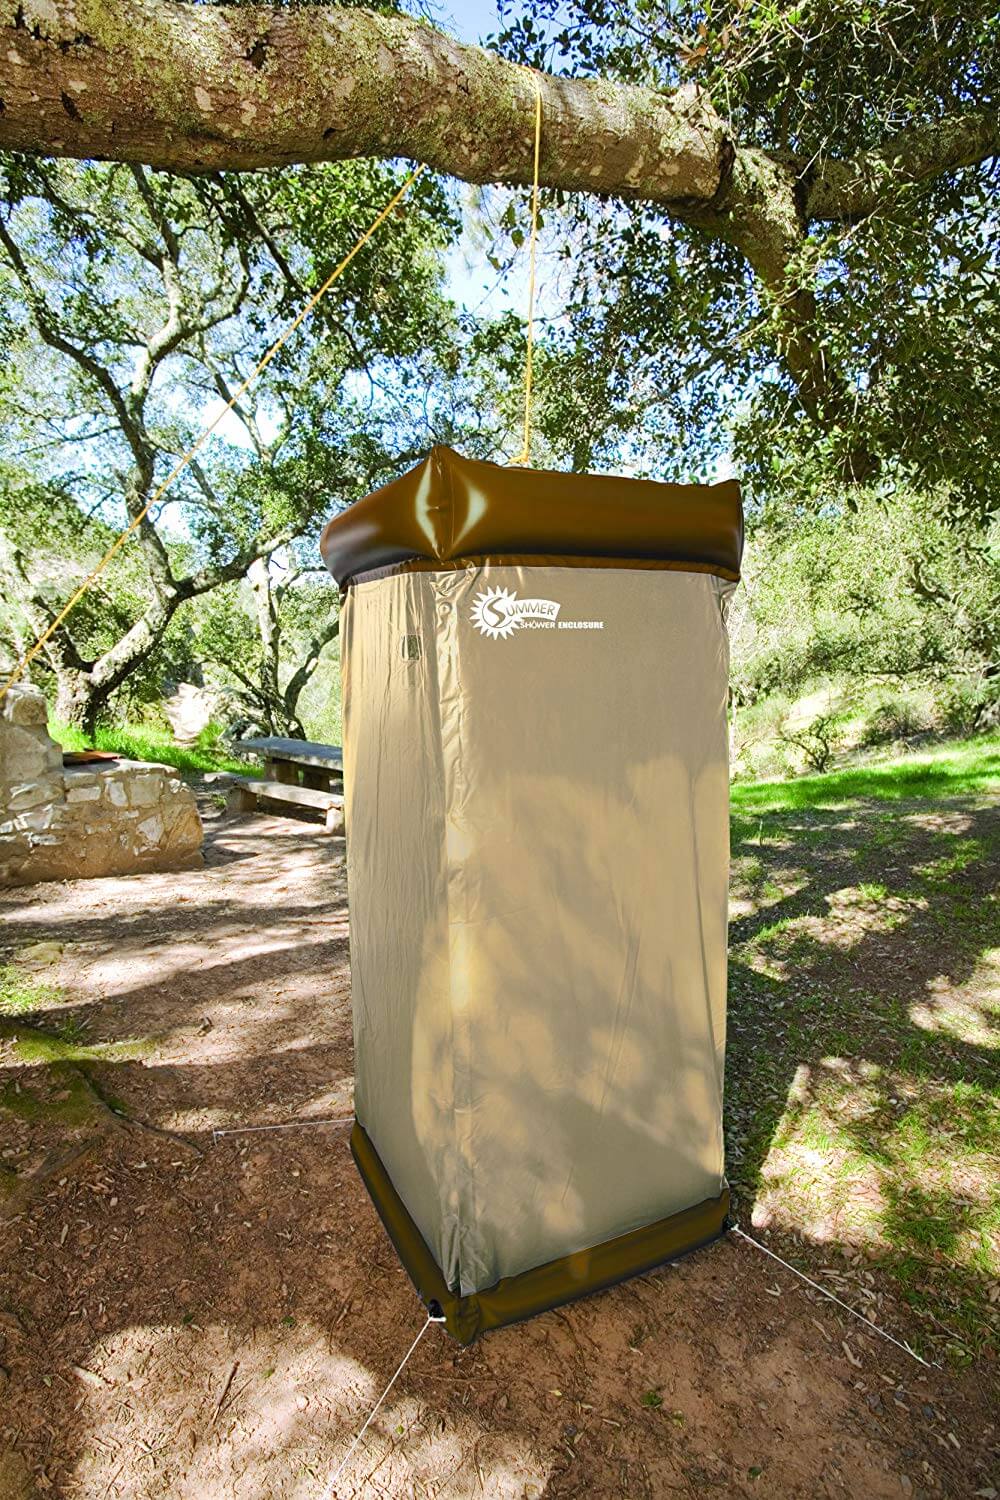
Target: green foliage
663, 349
45, 531
135, 302
21, 991
890, 591
902, 303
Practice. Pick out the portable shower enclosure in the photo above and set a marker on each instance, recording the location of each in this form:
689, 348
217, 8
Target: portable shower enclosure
535, 751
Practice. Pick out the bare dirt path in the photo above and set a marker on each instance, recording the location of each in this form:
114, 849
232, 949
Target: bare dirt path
207, 1320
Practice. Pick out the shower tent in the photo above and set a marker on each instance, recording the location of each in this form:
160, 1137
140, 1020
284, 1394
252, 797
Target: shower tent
535, 754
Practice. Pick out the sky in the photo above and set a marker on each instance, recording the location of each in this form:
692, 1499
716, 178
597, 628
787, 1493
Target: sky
469, 20
472, 282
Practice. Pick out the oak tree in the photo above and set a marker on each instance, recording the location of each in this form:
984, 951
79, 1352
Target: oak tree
805, 191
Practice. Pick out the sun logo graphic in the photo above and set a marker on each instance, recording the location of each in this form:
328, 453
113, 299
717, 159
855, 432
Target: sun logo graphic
497, 613
493, 613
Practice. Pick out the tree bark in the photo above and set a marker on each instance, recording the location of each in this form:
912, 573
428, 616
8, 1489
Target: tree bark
197, 88
206, 87
73, 703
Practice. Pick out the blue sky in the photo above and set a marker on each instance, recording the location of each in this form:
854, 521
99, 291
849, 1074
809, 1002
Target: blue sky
470, 20
471, 280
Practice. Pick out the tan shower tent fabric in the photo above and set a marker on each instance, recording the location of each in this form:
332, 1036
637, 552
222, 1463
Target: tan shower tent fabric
535, 673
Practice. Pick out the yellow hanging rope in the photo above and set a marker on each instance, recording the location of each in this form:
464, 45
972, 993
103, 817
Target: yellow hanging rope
182, 463
524, 457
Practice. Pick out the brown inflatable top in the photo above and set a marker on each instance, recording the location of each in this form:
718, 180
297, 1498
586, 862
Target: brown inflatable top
450, 507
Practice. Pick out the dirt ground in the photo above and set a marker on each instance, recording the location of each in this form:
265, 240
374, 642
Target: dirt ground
199, 1317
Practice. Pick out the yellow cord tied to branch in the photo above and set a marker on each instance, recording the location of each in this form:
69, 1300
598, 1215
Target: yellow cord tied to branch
182, 463
524, 457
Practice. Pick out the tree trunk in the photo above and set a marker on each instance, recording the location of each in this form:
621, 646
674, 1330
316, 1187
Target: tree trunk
78, 703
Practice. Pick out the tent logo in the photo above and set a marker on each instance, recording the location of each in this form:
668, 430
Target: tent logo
499, 612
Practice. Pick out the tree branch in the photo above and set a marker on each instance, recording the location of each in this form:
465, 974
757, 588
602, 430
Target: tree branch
307, 666
46, 323
252, 86
203, 88
258, 85
212, 574
848, 190
38, 611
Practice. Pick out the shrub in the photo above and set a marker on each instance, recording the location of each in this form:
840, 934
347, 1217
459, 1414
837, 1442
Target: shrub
971, 706
894, 719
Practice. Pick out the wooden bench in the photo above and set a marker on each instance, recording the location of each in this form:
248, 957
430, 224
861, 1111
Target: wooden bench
246, 793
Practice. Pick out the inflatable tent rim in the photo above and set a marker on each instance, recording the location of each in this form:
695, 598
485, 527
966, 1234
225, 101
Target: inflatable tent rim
455, 510
516, 1298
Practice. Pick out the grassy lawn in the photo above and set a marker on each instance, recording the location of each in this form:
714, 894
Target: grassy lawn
863, 1104
941, 771
142, 743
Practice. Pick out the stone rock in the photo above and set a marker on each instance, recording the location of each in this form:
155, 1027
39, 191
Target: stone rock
35, 818
83, 794
151, 829
26, 705
189, 711
40, 953
144, 791
27, 756
67, 824
29, 795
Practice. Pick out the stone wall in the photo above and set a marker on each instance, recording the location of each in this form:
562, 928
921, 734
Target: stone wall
105, 818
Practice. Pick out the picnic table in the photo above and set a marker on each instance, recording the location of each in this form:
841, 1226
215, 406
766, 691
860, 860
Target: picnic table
303, 773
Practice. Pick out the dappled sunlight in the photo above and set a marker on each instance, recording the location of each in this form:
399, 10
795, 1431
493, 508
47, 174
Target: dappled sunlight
274, 1409
861, 1068
754, 887
860, 1136
947, 820
863, 1156
853, 915
957, 854
969, 1014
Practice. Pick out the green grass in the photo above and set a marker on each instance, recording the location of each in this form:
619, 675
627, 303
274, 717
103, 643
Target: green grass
946, 771
38, 1034
863, 1112
20, 992
143, 743
52, 1038
64, 1098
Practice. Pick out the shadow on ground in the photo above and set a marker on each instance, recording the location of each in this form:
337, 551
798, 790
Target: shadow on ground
185, 1319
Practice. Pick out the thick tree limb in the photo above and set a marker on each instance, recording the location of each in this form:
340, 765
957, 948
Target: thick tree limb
847, 190
195, 88
308, 662
199, 88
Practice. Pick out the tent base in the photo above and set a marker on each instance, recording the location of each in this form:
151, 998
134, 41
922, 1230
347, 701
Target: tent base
534, 1291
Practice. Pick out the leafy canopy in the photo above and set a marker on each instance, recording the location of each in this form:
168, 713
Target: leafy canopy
903, 304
